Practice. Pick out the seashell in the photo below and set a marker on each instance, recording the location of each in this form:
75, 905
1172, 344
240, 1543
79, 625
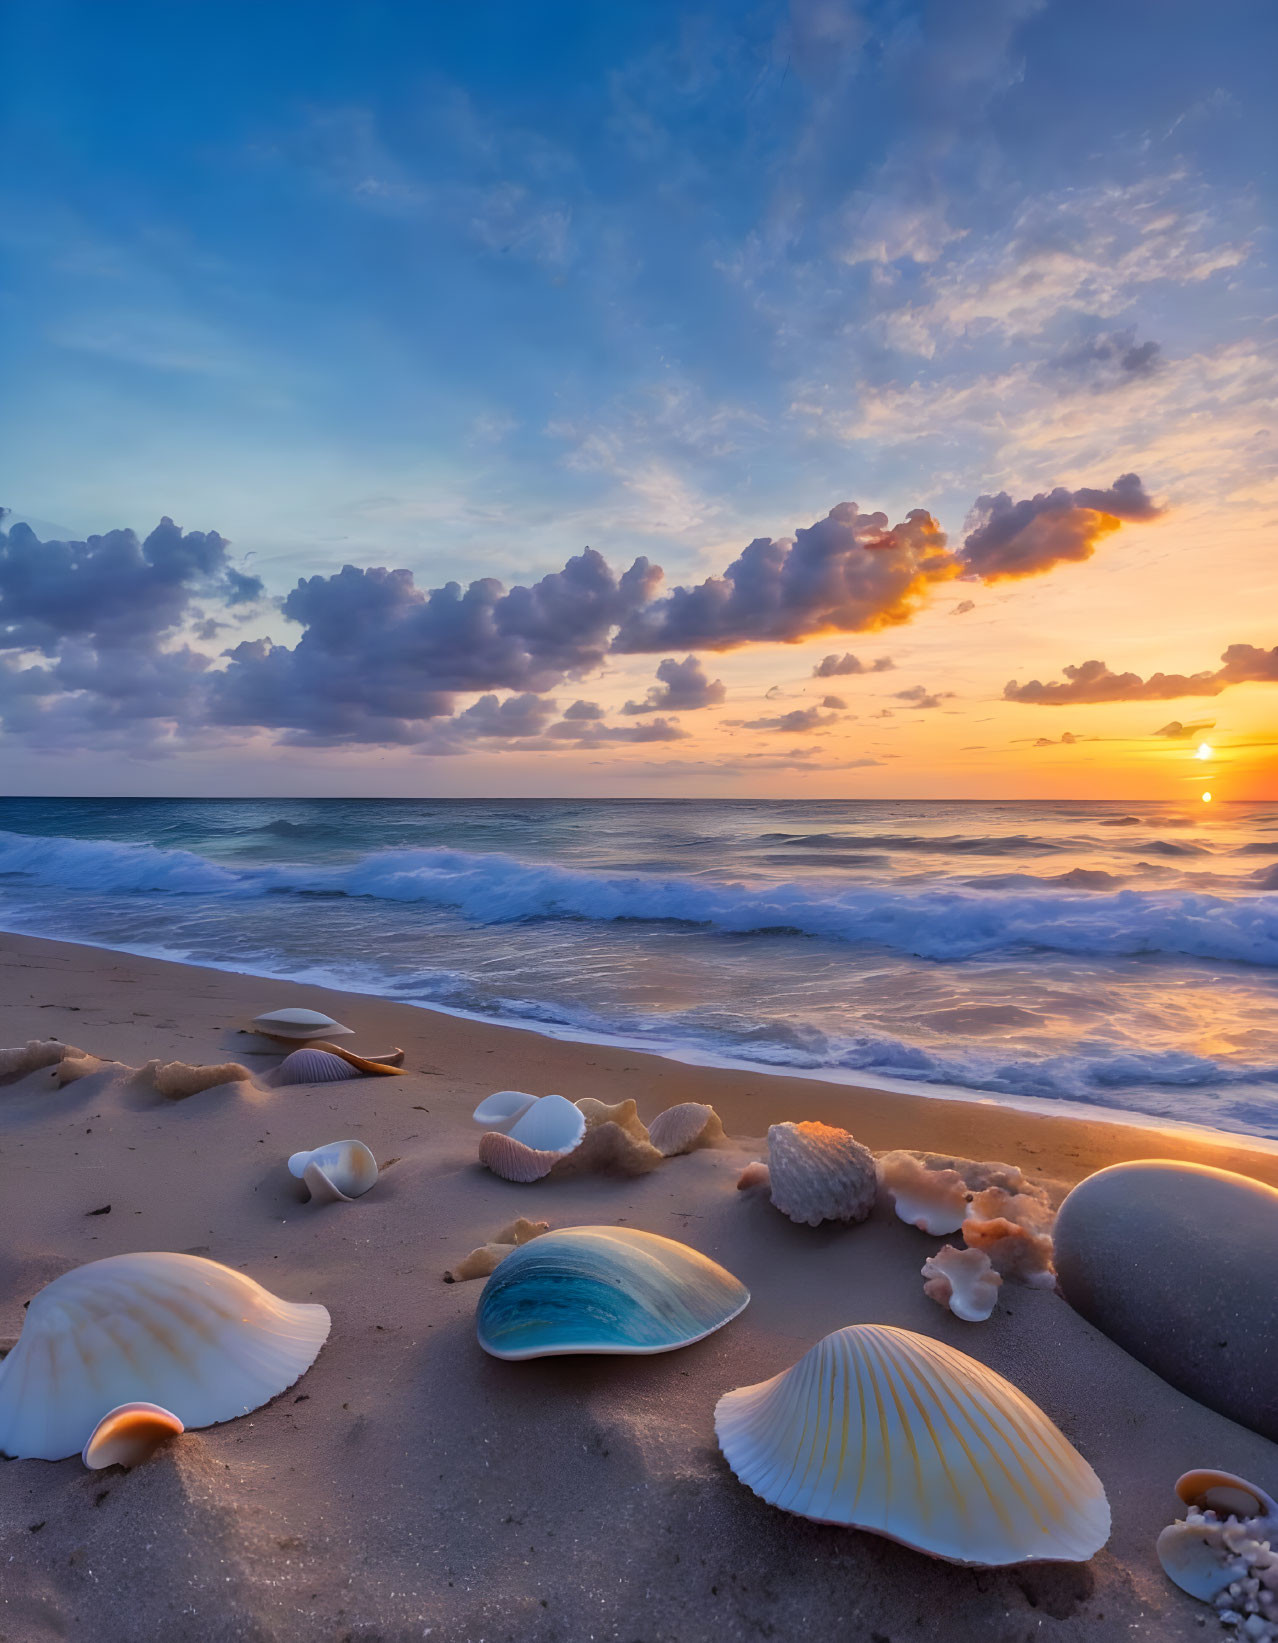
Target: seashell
386, 1066
963, 1280
191, 1335
819, 1173
885, 1430
336, 1173
300, 1024
546, 1132
756, 1174
680, 1129
1222, 1551
500, 1111
130, 1434
604, 1290
176, 1080
933, 1200
312, 1067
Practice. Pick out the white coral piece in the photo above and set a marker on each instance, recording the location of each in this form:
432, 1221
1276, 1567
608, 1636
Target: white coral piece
963, 1280
933, 1200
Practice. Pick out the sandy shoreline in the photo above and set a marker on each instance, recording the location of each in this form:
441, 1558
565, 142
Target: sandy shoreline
418, 1488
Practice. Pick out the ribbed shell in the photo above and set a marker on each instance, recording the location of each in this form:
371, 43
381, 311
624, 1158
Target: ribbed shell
819, 1173
885, 1430
604, 1290
188, 1334
313, 1067
680, 1129
512, 1160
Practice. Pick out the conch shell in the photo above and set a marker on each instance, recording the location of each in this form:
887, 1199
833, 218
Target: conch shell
885, 1430
336, 1173
680, 1129
816, 1173
933, 1200
963, 1280
130, 1434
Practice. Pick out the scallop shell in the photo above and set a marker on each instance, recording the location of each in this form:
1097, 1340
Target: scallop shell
885, 1430
191, 1335
312, 1067
604, 1290
300, 1024
547, 1131
819, 1173
680, 1129
501, 1110
933, 1200
129, 1435
336, 1173
963, 1280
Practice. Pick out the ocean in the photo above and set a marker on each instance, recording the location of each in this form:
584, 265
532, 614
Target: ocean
1120, 956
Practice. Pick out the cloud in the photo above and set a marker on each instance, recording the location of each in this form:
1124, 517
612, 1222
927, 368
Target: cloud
1067, 739
1106, 359
963, 608
1177, 732
835, 702
800, 720
848, 572
1011, 539
683, 685
1094, 682
919, 696
380, 657
832, 666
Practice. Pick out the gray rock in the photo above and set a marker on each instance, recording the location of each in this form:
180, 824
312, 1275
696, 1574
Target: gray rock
1178, 1263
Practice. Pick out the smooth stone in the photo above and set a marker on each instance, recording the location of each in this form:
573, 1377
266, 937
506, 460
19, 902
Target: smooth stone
1178, 1263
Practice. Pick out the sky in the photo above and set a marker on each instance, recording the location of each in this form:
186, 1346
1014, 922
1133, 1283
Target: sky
833, 400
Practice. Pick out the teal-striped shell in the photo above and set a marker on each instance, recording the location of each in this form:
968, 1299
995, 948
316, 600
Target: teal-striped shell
604, 1289
882, 1429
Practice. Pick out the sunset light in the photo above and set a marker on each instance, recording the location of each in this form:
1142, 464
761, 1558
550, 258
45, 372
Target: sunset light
1204, 751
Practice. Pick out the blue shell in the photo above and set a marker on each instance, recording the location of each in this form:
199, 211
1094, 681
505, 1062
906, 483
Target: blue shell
604, 1289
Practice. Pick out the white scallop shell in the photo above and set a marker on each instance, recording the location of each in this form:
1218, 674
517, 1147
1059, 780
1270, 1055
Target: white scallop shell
129, 1435
190, 1335
312, 1067
299, 1024
819, 1173
964, 1280
680, 1129
502, 1109
933, 1200
885, 1430
336, 1173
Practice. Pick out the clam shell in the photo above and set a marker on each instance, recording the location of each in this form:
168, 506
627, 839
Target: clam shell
680, 1129
885, 1430
819, 1173
604, 1290
1226, 1494
551, 1124
300, 1024
336, 1173
502, 1109
187, 1334
312, 1067
129, 1435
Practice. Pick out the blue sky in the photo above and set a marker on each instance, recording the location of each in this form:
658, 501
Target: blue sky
463, 289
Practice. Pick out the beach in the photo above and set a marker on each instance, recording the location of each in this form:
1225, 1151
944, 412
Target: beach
409, 1485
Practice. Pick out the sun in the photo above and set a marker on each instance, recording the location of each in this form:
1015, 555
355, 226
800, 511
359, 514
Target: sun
1206, 798
1204, 751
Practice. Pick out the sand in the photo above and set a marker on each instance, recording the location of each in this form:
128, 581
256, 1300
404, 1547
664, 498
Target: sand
409, 1486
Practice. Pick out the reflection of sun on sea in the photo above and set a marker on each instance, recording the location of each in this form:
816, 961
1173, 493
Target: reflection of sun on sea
1204, 751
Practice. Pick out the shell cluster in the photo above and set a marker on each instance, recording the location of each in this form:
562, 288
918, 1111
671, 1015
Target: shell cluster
1223, 1551
885, 1430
